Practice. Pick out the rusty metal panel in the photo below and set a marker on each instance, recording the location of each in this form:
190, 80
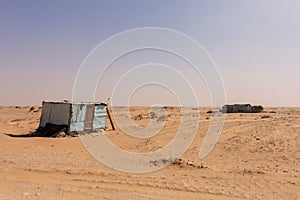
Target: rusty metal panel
89, 117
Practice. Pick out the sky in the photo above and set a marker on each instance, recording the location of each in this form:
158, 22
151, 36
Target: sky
254, 44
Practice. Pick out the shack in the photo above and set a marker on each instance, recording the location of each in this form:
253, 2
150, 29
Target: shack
241, 108
76, 117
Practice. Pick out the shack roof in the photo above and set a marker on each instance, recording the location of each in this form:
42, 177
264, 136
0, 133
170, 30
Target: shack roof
71, 103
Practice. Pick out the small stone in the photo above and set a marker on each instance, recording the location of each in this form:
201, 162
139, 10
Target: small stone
61, 135
178, 161
138, 117
200, 166
26, 194
190, 163
95, 134
73, 134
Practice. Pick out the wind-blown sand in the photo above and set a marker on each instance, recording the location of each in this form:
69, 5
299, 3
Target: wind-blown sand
255, 157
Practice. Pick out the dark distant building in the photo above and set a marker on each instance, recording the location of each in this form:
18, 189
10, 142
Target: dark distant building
241, 108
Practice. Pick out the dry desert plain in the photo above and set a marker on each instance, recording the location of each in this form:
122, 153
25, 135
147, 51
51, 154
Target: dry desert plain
257, 157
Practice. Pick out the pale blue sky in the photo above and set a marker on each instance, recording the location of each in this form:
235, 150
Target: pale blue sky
255, 44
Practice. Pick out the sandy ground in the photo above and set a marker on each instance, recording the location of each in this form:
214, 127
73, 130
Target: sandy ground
255, 158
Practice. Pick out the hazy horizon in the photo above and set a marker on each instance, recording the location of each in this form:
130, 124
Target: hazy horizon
255, 45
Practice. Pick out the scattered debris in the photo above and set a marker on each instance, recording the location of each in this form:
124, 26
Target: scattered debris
176, 161
168, 107
212, 112
200, 166
265, 116
153, 115
162, 162
61, 135
190, 163
73, 134
98, 133
138, 117
34, 109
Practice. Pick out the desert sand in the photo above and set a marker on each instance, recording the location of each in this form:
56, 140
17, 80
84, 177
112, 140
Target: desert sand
257, 157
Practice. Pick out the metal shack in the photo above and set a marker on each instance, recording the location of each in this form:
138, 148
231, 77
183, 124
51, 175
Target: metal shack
78, 117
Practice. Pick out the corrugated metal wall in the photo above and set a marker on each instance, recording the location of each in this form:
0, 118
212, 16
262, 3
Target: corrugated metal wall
99, 117
55, 113
77, 118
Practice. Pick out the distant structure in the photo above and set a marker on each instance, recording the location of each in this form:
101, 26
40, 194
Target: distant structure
79, 117
241, 108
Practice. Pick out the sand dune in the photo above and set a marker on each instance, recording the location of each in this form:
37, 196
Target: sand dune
255, 157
